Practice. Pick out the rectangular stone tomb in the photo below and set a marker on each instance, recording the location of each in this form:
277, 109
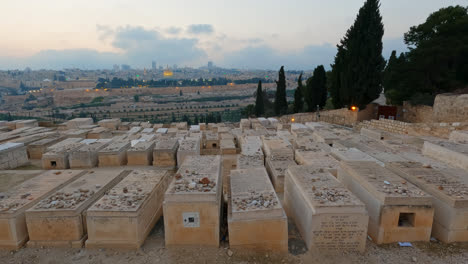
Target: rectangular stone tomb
188, 147
318, 160
228, 147
451, 153
12, 155
99, 133
328, 216
192, 203
278, 148
276, 169
114, 154
353, 154
59, 220
86, 156
56, 156
125, 215
373, 134
459, 136
449, 190
256, 219
14, 203
324, 136
211, 140
141, 153
165, 153
250, 161
398, 210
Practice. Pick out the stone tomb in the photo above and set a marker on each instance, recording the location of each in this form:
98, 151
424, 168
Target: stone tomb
125, 215
256, 219
398, 210
13, 230
56, 156
188, 147
141, 153
99, 133
278, 148
112, 124
459, 136
114, 154
451, 153
228, 147
328, 216
449, 190
211, 140
373, 134
276, 168
165, 153
59, 219
12, 155
77, 122
86, 156
37, 148
324, 136
353, 154
192, 203
318, 160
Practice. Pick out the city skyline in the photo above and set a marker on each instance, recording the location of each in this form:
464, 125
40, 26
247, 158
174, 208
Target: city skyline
91, 35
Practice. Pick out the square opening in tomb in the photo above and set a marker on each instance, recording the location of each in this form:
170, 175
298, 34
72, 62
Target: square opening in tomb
406, 220
53, 164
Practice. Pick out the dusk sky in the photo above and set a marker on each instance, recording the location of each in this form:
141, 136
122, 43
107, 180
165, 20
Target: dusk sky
247, 34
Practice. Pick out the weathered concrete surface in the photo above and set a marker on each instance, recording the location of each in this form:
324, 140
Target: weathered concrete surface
228, 147
459, 136
328, 216
165, 153
125, 215
318, 159
256, 219
58, 219
192, 203
141, 153
114, 154
452, 153
188, 147
449, 190
353, 154
86, 156
276, 169
398, 210
12, 155
13, 230
37, 148
56, 156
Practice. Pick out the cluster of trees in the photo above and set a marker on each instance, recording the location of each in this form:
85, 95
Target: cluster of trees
356, 77
119, 82
263, 106
437, 61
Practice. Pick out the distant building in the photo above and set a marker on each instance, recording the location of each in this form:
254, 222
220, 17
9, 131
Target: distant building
175, 66
153, 65
116, 68
210, 64
125, 67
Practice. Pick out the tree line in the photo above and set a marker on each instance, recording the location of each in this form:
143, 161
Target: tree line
437, 62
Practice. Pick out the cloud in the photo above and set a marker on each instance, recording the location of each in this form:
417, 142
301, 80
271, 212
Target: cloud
104, 32
265, 57
197, 29
138, 47
173, 30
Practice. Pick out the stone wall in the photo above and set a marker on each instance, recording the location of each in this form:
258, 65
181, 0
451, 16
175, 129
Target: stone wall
441, 130
450, 108
417, 113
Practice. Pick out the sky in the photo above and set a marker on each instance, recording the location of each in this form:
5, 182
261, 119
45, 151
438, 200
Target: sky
244, 34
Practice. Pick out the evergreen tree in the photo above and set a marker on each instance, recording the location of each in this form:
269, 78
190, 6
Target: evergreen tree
196, 121
358, 66
298, 97
316, 89
259, 106
281, 105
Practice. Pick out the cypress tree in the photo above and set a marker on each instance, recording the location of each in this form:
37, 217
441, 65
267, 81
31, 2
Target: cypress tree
298, 98
357, 71
281, 105
317, 89
259, 106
